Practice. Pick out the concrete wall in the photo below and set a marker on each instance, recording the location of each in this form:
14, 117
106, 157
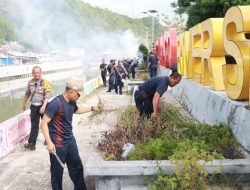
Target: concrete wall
13, 131
211, 107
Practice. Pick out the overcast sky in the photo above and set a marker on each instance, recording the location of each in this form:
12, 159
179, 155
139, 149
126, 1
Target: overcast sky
134, 8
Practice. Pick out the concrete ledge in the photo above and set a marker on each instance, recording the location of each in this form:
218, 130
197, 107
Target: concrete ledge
132, 84
211, 107
111, 175
95, 166
135, 82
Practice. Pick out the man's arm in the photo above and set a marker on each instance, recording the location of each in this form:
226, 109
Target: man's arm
25, 99
149, 63
82, 110
156, 101
45, 129
42, 109
111, 71
47, 92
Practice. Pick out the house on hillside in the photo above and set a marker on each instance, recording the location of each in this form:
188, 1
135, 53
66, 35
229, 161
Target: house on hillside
5, 60
19, 57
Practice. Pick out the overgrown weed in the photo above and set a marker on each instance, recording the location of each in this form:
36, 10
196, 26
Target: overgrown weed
158, 139
184, 142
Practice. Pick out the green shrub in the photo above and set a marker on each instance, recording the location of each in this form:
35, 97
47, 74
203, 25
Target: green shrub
155, 149
189, 171
163, 182
141, 152
158, 139
221, 138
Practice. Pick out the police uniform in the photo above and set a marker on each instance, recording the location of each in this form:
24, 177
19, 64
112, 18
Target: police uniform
103, 72
153, 60
118, 82
37, 90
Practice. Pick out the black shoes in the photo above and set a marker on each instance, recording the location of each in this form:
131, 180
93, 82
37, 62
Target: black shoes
109, 91
30, 146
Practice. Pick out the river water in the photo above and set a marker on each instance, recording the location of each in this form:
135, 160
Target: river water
12, 92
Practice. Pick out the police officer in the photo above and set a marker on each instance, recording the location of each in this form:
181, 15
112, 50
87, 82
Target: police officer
103, 68
134, 64
152, 64
111, 73
38, 90
119, 74
147, 96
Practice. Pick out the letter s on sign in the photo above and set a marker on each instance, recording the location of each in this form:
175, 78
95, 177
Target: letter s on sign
237, 47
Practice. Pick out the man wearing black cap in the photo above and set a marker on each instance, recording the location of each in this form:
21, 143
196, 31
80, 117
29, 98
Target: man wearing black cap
61, 143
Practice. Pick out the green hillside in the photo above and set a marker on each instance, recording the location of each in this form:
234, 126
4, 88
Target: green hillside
6, 28
87, 17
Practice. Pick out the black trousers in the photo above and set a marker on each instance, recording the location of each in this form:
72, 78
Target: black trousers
68, 154
111, 82
35, 120
133, 72
104, 78
143, 103
118, 83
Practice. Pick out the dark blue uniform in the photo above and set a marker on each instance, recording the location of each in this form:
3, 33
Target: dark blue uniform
145, 93
134, 64
118, 82
111, 77
103, 68
60, 130
153, 65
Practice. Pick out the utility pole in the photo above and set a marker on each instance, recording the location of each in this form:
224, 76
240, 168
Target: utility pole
152, 27
146, 37
153, 24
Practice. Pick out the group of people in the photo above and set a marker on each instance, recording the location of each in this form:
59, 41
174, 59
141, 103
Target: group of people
57, 114
122, 69
117, 72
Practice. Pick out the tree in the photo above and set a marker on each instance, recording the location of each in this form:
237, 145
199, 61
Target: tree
200, 10
6, 29
142, 48
177, 22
